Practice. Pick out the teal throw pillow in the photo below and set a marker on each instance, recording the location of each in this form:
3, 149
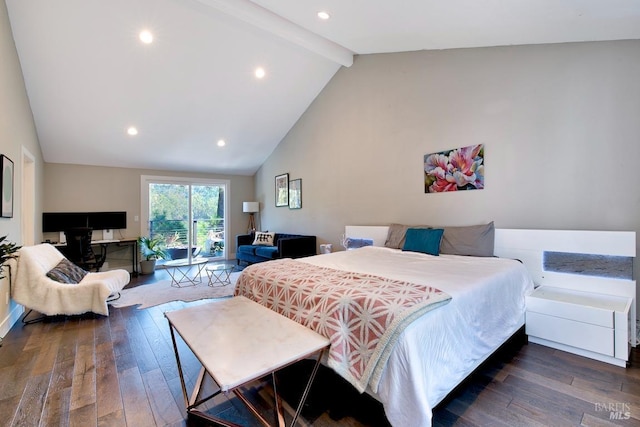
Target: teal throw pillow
425, 240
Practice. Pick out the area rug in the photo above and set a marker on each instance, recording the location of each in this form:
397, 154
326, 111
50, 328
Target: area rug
162, 292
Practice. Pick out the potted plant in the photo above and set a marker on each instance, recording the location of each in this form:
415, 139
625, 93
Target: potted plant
176, 247
7, 251
151, 250
218, 248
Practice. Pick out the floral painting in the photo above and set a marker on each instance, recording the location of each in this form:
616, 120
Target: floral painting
454, 170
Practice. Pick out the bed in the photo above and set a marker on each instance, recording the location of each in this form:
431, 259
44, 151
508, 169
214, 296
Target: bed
429, 352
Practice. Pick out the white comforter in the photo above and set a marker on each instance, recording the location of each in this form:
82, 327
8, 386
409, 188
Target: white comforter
442, 347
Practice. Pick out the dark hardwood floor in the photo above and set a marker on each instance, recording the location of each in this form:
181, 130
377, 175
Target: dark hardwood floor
121, 371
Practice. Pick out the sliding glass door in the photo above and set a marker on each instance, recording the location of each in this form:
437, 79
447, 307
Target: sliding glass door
188, 215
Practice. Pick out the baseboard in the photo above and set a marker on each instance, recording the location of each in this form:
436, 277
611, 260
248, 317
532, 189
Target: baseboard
117, 264
11, 319
579, 351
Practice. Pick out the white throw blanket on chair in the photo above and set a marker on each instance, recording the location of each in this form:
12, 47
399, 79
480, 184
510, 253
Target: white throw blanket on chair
33, 289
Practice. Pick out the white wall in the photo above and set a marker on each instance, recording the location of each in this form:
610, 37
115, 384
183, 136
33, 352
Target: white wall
560, 124
17, 132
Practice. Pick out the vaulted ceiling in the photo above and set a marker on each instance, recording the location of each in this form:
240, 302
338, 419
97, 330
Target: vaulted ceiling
90, 77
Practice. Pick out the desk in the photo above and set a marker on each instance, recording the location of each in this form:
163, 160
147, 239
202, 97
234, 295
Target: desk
179, 271
238, 341
104, 245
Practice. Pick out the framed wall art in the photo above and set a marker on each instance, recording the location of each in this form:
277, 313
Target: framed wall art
454, 170
295, 194
282, 190
6, 183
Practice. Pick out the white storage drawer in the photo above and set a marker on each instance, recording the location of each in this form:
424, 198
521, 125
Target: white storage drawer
586, 323
554, 303
576, 334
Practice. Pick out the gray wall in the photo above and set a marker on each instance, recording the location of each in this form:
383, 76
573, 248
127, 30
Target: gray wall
91, 188
17, 131
560, 124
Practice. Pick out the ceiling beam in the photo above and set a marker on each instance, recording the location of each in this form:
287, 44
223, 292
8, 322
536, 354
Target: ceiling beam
264, 19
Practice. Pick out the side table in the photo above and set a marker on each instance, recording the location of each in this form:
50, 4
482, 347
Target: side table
220, 274
179, 270
586, 323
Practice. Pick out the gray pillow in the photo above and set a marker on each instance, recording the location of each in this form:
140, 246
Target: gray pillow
396, 234
66, 272
474, 240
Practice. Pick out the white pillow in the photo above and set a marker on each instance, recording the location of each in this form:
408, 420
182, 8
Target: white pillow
263, 238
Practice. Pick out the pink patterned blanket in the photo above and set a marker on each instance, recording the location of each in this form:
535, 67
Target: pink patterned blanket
361, 314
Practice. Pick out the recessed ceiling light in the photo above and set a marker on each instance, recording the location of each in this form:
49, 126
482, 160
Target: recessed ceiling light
260, 73
132, 131
323, 15
146, 37
221, 143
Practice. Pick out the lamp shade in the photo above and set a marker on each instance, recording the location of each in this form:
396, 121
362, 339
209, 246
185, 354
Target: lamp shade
250, 207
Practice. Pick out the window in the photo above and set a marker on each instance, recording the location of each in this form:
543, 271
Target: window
186, 213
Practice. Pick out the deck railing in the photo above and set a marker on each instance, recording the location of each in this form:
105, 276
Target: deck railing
208, 235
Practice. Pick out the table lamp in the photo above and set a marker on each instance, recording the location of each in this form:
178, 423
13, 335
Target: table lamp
251, 208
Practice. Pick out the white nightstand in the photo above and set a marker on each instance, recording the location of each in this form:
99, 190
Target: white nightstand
586, 323
584, 309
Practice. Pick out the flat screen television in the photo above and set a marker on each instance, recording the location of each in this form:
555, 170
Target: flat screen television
107, 220
61, 221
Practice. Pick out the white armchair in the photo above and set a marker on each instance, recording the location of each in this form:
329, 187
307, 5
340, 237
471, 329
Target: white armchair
35, 290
